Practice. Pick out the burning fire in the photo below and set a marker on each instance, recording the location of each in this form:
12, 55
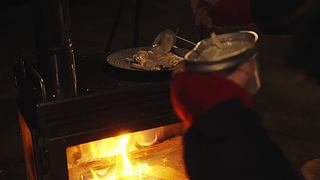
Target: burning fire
124, 168
132, 156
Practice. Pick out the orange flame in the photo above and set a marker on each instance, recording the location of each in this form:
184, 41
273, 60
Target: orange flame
124, 168
125, 156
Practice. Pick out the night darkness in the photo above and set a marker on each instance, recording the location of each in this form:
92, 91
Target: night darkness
288, 102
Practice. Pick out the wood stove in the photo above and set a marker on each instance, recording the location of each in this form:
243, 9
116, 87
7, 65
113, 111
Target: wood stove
66, 111
106, 106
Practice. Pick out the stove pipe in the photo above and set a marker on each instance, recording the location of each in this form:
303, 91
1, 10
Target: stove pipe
56, 60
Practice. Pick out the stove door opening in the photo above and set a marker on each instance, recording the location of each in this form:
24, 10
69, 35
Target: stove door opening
150, 154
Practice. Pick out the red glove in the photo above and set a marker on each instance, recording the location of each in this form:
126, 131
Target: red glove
212, 13
193, 94
231, 12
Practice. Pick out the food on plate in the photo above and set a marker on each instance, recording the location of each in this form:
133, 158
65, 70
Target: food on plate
229, 49
147, 60
215, 50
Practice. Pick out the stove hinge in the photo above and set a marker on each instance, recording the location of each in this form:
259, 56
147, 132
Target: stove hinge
44, 159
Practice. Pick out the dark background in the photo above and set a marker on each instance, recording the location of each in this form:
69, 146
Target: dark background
288, 101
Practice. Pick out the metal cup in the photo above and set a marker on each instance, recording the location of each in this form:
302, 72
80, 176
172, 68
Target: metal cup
242, 48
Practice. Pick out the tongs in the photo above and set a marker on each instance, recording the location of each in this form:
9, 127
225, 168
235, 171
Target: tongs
165, 42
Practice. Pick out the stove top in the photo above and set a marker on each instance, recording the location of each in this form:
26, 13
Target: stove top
108, 99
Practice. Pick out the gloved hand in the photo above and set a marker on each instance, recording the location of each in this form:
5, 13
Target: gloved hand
200, 10
211, 13
193, 94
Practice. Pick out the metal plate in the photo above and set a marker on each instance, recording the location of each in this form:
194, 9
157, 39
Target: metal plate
194, 64
121, 59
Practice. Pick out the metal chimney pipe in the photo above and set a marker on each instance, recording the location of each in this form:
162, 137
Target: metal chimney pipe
56, 60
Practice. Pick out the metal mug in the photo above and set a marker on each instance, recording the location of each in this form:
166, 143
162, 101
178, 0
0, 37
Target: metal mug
241, 48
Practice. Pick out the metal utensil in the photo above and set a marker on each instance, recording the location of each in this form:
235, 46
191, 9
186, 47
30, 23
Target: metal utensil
186, 40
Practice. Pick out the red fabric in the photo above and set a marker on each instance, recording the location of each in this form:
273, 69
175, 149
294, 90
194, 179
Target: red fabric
193, 94
231, 12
